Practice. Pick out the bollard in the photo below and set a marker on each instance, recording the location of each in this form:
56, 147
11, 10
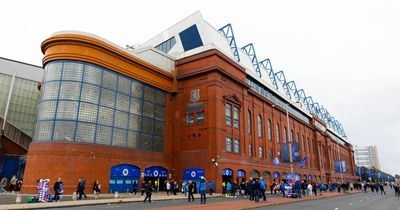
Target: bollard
74, 196
116, 194
18, 200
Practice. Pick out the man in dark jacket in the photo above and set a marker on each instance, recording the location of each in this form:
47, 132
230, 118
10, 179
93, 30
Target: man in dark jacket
250, 188
58, 189
297, 188
81, 188
256, 190
148, 190
191, 187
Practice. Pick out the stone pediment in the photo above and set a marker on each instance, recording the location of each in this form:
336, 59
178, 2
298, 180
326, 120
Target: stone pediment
233, 98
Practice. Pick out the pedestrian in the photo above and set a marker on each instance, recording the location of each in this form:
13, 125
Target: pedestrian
351, 185
203, 188
148, 189
134, 187
3, 184
228, 189
314, 188
143, 187
303, 187
309, 189
96, 188
250, 188
382, 188
58, 189
13, 183
190, 191
256, 189
297, 188
263, 188
81, 188
168, 186
212, 187
223, 185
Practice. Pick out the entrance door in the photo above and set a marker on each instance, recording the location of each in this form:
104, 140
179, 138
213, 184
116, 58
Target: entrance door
122, 178
157, 175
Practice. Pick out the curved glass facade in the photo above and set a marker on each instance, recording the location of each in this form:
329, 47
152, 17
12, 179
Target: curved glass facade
85, 103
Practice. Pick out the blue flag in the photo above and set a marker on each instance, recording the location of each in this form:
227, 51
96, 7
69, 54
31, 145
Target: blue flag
303, 162
275, 161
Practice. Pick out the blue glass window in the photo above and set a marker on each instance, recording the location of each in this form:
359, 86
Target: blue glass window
190, 38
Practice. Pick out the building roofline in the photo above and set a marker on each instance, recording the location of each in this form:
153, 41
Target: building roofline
12, 60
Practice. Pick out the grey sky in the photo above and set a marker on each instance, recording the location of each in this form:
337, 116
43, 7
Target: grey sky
342, 53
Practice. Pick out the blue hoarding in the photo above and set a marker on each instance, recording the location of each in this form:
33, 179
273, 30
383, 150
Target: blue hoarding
156, 171
193, 173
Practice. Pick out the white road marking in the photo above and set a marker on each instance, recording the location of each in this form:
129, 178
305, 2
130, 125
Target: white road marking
350, 204
361, 200
336, 209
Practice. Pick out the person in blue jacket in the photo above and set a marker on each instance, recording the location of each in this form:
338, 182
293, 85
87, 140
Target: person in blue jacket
228, 188
203, 188
263, 187
212, 187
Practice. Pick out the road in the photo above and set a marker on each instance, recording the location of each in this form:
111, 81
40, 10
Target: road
359, 201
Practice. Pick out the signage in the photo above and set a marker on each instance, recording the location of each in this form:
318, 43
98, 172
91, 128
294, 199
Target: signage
303, 162
276, 175
240, 173
295, 148
193, 173
340, 166
125, 170
155, 171
195, 95
275, 161
227, 172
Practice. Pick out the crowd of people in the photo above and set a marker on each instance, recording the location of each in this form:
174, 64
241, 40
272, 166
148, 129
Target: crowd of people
14, 185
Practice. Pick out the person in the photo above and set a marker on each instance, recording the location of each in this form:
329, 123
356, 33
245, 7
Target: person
382, 188
396, 189
168, 186
190, 191
13, 183
58, 189
314, 188
134, 187
96, 188
212, 187
256, 189
351, 185
304, 187
148, 188
19, 185
143, 187
203, 188
309, 189
223, 185
263, 188
81, 188
228, 189
250, 189
297, 188
3, 184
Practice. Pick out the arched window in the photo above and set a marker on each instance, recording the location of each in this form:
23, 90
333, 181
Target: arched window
284, 135
278, 138
249, 122
269, 130
259, 123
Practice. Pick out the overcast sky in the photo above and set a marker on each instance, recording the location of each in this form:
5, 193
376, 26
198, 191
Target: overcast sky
345, 54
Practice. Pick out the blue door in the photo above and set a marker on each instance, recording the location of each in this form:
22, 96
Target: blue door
122, 178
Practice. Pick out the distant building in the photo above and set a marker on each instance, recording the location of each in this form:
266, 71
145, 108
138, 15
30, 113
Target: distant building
367, 156
20, 109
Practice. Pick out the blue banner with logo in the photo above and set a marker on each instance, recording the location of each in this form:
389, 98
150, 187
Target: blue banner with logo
303, 162
276, 175
295, 152
275, 161
125, 170
285, 153
156, 171
240, 173
227, 172
193, 173
340, 166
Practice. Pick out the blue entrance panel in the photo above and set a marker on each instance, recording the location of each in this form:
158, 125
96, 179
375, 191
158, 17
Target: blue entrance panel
122, 178
227, 172
240, 173
276, 175
156, 171
193, 173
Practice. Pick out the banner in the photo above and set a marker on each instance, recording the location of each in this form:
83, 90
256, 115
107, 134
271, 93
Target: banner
276, 161
303, 162
295, 152
340, 166
285, 153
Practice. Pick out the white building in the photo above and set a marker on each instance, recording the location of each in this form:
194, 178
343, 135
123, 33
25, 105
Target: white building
367, 156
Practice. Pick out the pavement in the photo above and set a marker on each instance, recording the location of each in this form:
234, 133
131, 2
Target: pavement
8, 201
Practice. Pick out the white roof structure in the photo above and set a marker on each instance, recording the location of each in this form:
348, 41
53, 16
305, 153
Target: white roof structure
194, 35
22, 70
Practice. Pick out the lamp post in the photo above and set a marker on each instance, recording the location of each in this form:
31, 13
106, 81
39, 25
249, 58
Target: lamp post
289, 138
